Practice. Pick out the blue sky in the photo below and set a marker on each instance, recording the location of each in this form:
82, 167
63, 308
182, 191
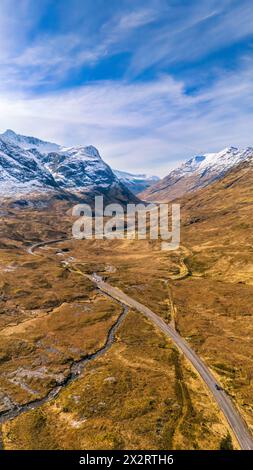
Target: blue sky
150, 83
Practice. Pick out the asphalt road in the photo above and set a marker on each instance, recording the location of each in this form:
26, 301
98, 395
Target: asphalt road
234, 419
31, 248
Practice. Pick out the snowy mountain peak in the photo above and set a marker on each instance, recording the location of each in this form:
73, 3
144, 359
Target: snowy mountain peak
32, 166
131, 176
136, 183
92, 151
9, 134
198, 172
28, 142
219, 161
224, 160
81, 151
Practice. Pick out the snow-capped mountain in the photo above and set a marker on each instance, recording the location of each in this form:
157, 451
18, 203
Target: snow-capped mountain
26, 142
31, 166
136, 183
196, 173
79, 168
21, 171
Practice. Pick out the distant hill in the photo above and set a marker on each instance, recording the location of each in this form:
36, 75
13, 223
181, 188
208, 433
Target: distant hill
136, 183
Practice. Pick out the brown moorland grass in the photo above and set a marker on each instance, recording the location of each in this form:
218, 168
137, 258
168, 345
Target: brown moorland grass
213, 304
140, 395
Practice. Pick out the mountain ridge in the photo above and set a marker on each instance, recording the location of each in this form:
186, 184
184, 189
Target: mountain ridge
30, 167
136, 182
196, 173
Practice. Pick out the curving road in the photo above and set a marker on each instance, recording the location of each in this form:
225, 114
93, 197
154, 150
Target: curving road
31, 248
237, 424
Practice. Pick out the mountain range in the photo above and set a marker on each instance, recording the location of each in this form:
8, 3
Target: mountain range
136, 183
30, 167
196, 173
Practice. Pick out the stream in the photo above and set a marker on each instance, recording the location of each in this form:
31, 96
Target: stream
76, 369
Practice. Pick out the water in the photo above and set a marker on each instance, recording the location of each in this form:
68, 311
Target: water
76, 369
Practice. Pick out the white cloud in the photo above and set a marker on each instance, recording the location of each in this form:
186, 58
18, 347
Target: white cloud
197, 30
138, 126
50, 58
136, 19
147, 126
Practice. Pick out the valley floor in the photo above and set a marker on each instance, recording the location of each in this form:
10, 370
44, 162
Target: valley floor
141, 392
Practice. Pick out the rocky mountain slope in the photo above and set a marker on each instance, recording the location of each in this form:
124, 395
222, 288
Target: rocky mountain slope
214, 303
136, 183
220, 214
22, 171
196, 173
30, 167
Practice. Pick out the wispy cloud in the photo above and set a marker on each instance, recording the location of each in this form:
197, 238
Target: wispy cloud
136, 19
199, 29
49, 58
155, 34
150, 126
178, 76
